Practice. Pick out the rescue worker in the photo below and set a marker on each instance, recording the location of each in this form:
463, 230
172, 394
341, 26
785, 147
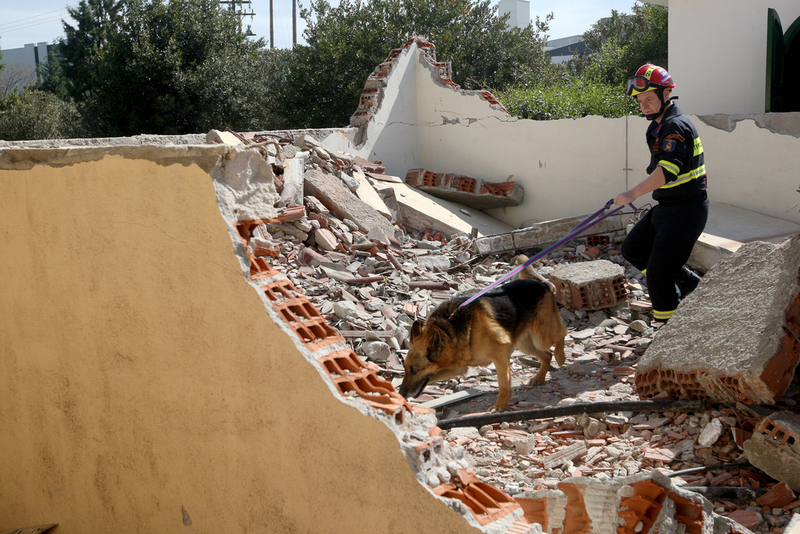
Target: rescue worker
662, 240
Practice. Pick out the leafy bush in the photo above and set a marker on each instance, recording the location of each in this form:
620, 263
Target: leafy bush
567, 101
37, 114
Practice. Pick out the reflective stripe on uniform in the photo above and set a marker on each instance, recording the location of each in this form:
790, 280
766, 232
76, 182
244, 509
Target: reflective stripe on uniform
683, 178
686, 177
669, 166
662, 315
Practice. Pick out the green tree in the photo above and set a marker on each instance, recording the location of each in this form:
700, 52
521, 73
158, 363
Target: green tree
324, 81
81, 51
623, 43
165, 67
35, 114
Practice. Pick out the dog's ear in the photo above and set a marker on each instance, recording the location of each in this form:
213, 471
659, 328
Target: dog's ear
438, 340
416, 329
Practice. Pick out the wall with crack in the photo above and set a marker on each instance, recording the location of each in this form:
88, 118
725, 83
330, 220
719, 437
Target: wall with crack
568, 166
147, 386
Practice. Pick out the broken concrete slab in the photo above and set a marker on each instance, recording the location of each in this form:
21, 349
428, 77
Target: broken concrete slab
420, 211
343, 203
471, 192
367, 193
292, 193
735, 338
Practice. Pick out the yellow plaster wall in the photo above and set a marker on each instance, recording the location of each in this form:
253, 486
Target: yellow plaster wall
143, 387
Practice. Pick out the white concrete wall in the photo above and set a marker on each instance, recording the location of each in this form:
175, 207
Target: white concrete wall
753, 168
569, 167
392, 131
718, 51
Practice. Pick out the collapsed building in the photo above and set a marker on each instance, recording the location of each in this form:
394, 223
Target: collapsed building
155, 381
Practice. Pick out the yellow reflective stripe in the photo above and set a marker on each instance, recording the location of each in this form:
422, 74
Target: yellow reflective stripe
662, 314
689, 176
668, 165
698, 147
649, 71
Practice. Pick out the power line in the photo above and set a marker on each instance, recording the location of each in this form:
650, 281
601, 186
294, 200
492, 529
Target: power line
31, 24
21, 22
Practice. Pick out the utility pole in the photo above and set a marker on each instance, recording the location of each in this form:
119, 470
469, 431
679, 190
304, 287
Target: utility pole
242, 13
294, 22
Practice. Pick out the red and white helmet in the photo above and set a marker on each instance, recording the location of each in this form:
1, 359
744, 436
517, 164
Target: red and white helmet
649, 78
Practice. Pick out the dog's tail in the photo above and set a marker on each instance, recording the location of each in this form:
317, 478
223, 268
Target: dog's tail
529, 273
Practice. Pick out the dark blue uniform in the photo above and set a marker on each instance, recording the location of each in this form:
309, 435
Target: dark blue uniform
662, 240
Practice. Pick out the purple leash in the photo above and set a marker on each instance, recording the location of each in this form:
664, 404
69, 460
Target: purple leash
590, 221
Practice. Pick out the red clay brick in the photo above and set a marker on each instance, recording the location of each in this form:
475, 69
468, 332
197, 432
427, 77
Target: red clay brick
778, 496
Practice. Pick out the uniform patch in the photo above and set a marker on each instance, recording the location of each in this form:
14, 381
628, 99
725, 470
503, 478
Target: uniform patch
668, 145
677, 137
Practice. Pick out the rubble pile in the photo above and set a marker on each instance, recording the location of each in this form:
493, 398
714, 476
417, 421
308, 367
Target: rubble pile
372, 283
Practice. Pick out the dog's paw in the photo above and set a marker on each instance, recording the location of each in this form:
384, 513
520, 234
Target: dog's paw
536, 381
495, 408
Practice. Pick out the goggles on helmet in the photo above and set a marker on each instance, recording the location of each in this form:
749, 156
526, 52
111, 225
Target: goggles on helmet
640, 84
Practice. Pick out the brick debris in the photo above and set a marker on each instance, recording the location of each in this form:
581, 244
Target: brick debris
363, 287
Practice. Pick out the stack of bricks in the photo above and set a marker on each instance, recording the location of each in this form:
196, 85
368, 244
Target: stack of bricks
468, 191
590, 285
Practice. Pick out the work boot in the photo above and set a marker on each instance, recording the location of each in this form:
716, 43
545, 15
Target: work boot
687, 281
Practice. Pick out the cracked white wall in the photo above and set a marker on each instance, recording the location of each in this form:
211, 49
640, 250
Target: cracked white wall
568, 166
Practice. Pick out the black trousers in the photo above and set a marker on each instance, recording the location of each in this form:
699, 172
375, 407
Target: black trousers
660, 244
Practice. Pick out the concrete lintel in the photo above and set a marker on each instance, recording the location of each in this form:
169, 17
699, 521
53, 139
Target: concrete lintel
548, 232
420, 211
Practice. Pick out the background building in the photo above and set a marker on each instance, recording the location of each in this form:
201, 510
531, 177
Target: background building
21, 66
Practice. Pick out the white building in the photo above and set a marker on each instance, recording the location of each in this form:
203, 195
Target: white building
519, 12
29, 58
735, 56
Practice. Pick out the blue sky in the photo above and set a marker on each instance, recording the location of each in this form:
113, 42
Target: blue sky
40, 21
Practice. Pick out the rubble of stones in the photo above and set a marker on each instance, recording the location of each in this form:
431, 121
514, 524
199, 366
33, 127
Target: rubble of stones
372, 286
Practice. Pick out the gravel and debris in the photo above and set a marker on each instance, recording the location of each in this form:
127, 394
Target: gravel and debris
371, 287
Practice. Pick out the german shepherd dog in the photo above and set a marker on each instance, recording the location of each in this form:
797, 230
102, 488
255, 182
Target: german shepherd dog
522, 314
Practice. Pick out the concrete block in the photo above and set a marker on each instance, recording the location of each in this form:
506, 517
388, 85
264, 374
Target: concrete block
774, 447
343, 203
225, 138
494, 244
292, 193
735, 338
590, 285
